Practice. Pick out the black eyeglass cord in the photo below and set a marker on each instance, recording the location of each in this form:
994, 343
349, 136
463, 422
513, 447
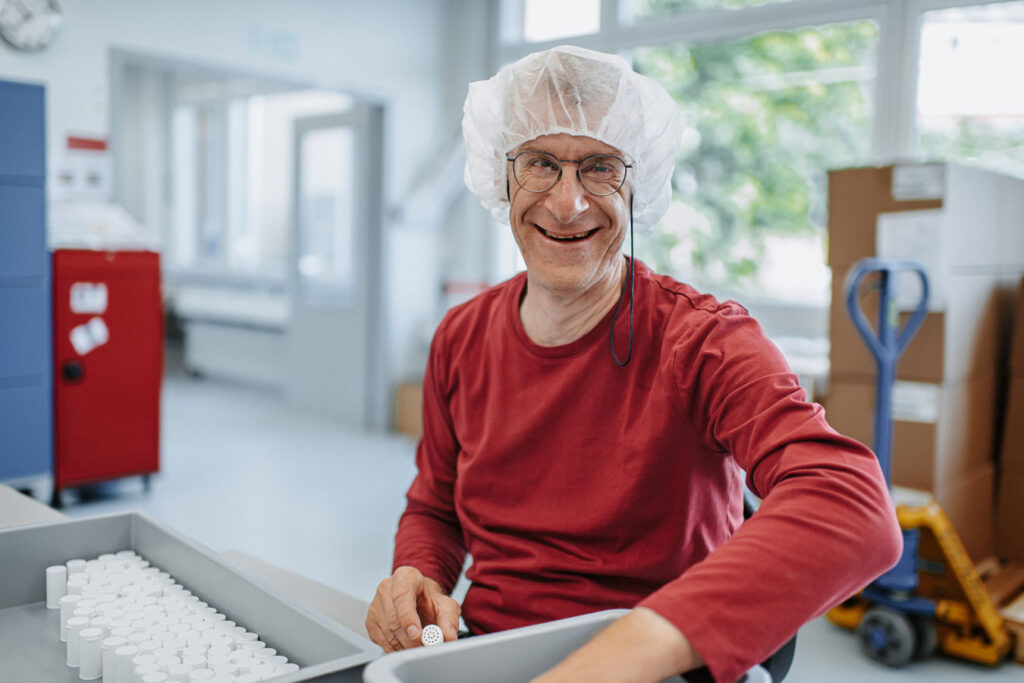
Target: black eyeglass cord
615, 315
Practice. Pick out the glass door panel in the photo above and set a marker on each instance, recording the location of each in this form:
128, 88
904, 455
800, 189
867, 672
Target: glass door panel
326, 241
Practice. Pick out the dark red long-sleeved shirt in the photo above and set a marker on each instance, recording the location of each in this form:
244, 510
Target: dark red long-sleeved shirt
577, 485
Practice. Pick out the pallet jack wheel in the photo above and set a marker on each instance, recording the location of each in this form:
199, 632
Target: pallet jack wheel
927, 636
888, 637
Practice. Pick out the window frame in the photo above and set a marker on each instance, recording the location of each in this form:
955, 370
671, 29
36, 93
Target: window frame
893, 131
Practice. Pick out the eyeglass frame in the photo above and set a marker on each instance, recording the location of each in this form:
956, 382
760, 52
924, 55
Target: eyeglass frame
579, 164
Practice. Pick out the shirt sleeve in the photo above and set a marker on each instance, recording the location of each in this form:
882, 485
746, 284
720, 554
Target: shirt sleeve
825, 529
429, 534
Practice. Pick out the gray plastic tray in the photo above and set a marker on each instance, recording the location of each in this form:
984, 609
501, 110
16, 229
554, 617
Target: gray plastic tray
31, 651
514, 656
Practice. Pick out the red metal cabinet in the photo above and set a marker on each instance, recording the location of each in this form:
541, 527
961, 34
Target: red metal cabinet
108, 365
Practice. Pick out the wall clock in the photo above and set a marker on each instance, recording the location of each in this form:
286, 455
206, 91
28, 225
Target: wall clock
30, 25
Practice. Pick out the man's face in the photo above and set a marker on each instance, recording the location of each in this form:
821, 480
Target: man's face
539, 219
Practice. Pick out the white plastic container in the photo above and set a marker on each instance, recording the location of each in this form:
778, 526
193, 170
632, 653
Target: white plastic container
123, 668
107, 649
90, 658
68, 604
56, 585
75, 626
141, 670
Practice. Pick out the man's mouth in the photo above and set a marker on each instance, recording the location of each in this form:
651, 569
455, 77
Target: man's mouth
577, 237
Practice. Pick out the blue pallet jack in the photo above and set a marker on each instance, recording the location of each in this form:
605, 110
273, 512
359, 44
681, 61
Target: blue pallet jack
933, 598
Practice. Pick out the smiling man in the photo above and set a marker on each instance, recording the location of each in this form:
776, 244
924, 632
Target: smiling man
588, 423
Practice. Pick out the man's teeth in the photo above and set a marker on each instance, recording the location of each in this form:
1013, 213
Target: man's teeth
568, 238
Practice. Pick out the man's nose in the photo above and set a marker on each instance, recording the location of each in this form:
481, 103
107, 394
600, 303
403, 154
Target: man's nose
567, 199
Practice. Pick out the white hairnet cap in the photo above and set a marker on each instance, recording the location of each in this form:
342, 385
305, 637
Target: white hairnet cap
580, 92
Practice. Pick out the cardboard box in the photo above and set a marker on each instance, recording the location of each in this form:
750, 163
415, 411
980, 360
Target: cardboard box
409, 409
855, 198
941, 432
969, 502
1016, 362
963, 340
979, 224
1010, 517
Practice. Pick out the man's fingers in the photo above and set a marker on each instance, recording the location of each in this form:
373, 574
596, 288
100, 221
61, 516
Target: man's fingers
404, 602
375, 621
448, 613
405, 595
427, 605
378, 636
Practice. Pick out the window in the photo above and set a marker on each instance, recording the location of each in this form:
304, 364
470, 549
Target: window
326, 268
970, 93
232, 179
223, 201
765, 117
543, 20
772, 98
647, 10
776, 93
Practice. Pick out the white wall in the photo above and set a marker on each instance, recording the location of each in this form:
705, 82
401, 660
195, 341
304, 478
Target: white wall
392, 51
387, 49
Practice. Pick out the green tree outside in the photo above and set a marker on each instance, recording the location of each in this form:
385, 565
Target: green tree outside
766, 118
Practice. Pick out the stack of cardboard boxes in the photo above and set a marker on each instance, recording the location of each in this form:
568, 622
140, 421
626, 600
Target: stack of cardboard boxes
966, 226
1010, 528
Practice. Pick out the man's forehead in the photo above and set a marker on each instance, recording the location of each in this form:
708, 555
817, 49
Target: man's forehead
567, 146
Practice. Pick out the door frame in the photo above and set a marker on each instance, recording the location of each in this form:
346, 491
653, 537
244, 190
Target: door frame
367, 121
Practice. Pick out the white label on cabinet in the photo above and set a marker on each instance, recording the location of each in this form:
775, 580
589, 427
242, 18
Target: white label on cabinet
88, 297
88, 336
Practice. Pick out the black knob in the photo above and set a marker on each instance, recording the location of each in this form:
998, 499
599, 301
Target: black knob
73, 370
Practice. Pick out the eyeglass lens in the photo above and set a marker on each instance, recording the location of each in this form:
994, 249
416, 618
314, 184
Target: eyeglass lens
600, 174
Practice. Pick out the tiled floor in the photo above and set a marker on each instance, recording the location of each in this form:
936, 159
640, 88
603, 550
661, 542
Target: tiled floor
241, 470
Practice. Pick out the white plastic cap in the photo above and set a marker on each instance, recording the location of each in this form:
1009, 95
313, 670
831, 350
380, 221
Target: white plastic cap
432, 635
572, 90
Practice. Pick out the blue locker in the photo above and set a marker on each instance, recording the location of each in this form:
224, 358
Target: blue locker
22, 132
26, 356
22, 245
24, 331
25, 419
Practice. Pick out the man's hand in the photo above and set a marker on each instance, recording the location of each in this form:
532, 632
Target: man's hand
641, 647
404, 603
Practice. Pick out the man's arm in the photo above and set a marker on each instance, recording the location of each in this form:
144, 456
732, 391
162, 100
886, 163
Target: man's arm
826, 526
429, 535
640, 647
429, 548
825, 529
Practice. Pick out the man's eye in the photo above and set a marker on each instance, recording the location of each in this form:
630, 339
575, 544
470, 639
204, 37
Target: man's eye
599, 168
543, 164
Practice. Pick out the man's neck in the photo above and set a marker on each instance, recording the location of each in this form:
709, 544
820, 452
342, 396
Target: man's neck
555, 318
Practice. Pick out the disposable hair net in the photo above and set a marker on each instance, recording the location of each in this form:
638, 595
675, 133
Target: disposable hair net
580, 92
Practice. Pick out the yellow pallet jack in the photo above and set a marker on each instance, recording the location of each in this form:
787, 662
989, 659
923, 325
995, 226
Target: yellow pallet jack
934, 598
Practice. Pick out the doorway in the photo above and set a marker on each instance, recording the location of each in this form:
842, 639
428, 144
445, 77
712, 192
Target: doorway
336, 330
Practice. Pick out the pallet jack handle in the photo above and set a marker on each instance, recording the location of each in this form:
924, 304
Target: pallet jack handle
888, 344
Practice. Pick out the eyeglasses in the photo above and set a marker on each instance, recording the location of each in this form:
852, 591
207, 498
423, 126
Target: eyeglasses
599, 174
